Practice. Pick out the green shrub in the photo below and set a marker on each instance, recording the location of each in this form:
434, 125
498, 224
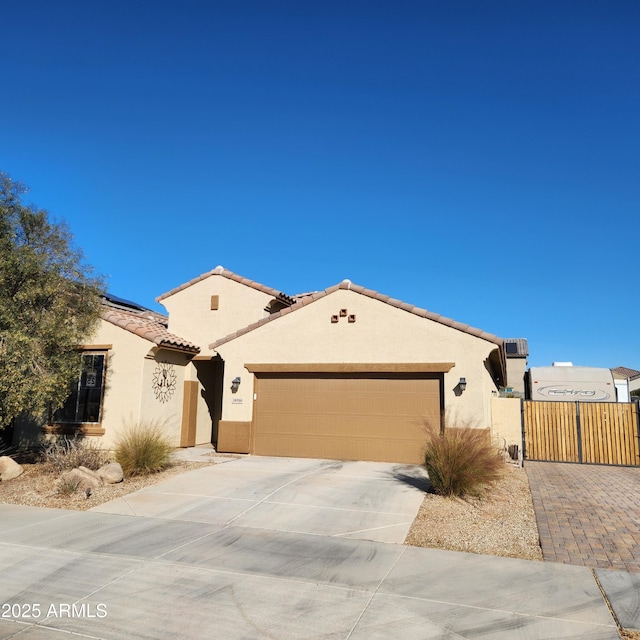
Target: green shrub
143, 449
63, 454
461, 461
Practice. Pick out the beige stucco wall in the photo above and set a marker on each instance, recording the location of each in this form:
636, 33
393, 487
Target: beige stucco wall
164, 412
129, 398
381, 334
516, 368
506, 422
191, 316
123, 380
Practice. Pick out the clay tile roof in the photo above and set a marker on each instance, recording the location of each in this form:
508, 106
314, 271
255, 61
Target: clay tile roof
347, 284
221, 271
149, 325
627, 373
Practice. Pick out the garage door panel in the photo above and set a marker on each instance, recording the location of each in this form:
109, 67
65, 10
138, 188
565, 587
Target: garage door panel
343, 448
350, 418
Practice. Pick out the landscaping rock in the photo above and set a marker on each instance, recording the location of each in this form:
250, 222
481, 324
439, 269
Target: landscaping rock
9, 468
111, 473
81, 477
92, 474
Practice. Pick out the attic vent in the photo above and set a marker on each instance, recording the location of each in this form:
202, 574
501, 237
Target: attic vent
511, 347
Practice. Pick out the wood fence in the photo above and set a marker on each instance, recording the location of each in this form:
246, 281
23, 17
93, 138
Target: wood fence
588, 432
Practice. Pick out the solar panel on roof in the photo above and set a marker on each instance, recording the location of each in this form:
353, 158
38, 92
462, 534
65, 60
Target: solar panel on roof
124, 303
511, 347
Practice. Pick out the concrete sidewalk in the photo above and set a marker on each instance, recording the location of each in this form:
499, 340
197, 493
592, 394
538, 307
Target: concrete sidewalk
181, 575
138, 577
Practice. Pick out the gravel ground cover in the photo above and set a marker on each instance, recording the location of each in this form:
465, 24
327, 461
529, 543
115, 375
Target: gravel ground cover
501, 523
36, 487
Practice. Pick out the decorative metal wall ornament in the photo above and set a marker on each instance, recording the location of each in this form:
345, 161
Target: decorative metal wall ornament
164, 381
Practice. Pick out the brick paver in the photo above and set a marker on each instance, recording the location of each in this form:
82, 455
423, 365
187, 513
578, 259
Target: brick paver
587, 514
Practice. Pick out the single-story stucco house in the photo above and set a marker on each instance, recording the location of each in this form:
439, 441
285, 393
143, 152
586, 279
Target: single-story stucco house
344, 373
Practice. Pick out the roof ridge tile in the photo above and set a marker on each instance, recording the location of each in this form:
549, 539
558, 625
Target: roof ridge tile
221, 271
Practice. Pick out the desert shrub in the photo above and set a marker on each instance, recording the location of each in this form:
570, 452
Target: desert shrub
65, 486
63, 454
461, 461
143, 449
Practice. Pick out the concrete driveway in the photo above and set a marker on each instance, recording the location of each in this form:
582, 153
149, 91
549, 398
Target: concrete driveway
364, 500
275, 549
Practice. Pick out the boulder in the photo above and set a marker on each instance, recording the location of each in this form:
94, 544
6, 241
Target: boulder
111, 473
9, 468
81, 477
90, 473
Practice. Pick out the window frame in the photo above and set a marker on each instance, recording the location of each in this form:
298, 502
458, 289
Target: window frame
80, 427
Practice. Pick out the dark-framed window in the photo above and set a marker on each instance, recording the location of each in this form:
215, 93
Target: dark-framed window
84, 404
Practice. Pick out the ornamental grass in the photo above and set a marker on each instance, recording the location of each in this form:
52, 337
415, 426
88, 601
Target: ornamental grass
142, 449
461, 461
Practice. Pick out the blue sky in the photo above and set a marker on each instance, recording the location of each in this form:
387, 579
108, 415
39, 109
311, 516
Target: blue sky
477, 159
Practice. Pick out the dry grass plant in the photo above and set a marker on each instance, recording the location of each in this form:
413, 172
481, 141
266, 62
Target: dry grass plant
461, 461
65, 486
64, 454
143, 448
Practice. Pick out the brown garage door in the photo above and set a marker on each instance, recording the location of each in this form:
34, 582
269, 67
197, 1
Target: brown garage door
344, 417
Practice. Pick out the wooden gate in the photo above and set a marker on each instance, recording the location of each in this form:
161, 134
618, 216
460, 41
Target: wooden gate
589, 432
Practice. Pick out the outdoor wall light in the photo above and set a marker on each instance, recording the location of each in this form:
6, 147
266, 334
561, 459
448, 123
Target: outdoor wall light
235, 383
462, 385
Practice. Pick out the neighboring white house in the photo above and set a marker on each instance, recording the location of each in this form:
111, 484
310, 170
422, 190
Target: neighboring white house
627, 381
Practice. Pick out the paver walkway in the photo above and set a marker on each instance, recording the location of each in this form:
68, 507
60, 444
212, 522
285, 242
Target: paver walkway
587, 515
